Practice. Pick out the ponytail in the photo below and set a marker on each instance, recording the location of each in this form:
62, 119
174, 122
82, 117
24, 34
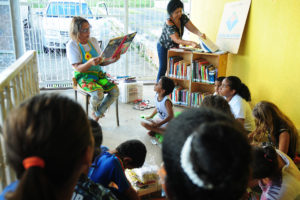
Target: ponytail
241, 89
46, 138
33, 179
244, 92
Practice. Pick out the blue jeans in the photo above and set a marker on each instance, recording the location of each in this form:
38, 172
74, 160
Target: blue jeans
100, 106
162, 57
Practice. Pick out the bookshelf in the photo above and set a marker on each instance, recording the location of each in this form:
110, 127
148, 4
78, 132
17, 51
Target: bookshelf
194, 74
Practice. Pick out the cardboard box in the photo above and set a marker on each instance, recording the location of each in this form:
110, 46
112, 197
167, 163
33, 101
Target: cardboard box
130, 92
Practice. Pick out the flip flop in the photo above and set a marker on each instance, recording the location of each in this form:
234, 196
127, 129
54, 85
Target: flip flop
137, 107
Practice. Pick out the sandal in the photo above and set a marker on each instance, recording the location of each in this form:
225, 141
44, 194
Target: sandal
138, 107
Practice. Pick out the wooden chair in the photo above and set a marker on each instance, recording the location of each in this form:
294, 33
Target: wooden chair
87, 99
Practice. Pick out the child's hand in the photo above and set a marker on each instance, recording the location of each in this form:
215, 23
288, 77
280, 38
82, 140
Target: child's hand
95, 61
148, 117
203, 36
155, 125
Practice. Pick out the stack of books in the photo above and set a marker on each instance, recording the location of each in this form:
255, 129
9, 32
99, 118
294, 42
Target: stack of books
126, 79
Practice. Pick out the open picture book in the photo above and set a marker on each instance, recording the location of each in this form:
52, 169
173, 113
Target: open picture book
117, 45
207, 45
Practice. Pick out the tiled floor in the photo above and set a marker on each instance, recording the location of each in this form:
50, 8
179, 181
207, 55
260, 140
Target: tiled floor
130, 127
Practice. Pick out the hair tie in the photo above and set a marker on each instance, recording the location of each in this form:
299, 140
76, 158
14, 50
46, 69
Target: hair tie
33, 161
186, 165
266, 157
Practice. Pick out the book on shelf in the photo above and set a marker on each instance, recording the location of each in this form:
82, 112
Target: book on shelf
197, 98
117, 45
203, 72
207, 45
180, 96
178, 68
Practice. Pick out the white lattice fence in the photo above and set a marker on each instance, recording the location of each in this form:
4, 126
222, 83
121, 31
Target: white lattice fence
17, 83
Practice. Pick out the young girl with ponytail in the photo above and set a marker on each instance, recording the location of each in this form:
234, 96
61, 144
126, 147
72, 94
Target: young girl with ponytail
49, 144
238, 95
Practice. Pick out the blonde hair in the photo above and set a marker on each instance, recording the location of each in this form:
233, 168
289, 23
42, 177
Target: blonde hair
269, 118
75, 27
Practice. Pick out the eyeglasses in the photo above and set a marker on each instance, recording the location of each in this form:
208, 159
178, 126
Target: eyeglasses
85, 30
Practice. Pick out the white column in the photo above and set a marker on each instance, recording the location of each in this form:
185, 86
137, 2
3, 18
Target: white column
126, 32
17, 28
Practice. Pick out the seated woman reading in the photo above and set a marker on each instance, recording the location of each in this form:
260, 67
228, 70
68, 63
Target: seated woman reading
83, 53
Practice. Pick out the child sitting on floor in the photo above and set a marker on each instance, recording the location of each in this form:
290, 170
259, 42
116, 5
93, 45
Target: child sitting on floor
108, 167
164, 107
277, 175
273, 124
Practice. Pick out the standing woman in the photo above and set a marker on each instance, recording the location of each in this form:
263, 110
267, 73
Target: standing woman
238, 95
83, 53
172, 34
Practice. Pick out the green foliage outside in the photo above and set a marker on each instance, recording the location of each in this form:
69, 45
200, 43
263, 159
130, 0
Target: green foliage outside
131, 3
109, 3
37, 3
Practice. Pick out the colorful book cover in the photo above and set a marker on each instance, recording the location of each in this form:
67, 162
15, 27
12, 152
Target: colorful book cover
117, 45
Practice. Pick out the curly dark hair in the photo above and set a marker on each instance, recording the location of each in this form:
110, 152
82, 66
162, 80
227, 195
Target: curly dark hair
173, 5
167, 84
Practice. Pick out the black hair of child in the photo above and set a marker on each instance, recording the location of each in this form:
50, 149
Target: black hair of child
220, 155
217, 102
173, 5
221, 78
98, 136
54, 128
241, 89
265, 162
134, 149
167, 84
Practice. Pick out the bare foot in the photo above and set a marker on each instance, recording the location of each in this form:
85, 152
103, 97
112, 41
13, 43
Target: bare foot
146, 125
151, 133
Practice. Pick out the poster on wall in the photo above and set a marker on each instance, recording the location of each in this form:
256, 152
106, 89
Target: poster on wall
232, 25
